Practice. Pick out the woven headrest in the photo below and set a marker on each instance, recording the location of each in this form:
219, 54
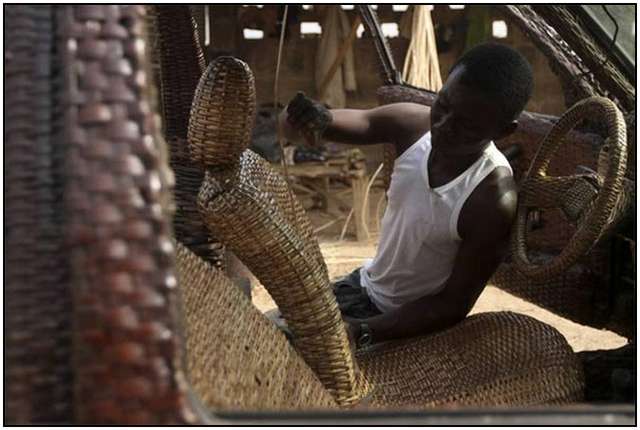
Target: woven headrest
222, 114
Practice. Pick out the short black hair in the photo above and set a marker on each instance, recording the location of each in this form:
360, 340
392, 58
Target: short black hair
499, 71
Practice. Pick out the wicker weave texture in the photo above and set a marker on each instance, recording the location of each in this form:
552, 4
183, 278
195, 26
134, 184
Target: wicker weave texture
181, 65
249, 205
572, 29
128, 359
127, 346
237, 359
223, 112
490, 359
417, 373
264, 227
541, 191
37, 292
562, 59
571, 295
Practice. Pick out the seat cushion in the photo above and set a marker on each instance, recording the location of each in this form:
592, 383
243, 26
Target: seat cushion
236, 359
489, 359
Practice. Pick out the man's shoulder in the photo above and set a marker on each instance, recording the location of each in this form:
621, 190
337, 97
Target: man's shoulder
406, 114
410, 107
412, 121
494, 201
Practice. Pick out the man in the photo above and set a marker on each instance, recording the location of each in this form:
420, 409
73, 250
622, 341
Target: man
451, 201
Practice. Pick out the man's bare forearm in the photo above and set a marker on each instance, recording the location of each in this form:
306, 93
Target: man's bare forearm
353, 127
423, 316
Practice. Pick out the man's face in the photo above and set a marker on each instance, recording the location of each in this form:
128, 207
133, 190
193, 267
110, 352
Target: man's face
463, 119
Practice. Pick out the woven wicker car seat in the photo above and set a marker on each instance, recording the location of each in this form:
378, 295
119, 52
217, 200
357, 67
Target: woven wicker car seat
251, 208
94, 332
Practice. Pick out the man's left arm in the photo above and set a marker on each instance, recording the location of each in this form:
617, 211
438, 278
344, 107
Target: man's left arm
485, 227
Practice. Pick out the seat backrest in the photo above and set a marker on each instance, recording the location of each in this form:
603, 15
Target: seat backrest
180, 63
251, 208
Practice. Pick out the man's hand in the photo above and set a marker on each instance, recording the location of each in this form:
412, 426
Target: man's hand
308, 117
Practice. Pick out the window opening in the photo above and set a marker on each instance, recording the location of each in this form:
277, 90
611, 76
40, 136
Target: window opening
390, 29
207, 26
252, 34
499, 29
310, 27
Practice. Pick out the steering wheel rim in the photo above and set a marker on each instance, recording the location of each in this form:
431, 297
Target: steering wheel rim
538, 190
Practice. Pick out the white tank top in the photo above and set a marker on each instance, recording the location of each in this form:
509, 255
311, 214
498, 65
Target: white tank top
419, 237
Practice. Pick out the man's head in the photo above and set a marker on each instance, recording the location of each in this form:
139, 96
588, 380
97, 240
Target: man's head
486, 90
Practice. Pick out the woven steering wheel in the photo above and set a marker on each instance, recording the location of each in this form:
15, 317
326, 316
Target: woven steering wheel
588, 201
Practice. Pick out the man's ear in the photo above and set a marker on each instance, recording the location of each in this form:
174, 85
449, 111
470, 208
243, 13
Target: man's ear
506, 131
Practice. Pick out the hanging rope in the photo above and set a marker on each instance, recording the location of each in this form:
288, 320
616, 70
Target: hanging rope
275, 96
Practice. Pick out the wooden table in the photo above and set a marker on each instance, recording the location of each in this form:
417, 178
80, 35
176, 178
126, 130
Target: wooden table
350, 166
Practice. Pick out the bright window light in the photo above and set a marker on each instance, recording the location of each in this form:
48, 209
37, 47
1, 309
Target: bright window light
347, 7
456, 6
390, 29
250, 33
499, 29
259, 6
374, 6
310, 27
307, 6
359, 31
207, 26
400, 7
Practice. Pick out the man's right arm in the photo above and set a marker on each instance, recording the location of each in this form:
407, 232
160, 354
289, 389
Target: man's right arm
399, 123
385, 124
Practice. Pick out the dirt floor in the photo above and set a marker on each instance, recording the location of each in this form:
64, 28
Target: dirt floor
342, 256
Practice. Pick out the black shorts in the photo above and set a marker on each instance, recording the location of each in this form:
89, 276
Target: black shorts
353, 299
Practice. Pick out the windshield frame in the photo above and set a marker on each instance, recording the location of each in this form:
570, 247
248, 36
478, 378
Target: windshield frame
604, 39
